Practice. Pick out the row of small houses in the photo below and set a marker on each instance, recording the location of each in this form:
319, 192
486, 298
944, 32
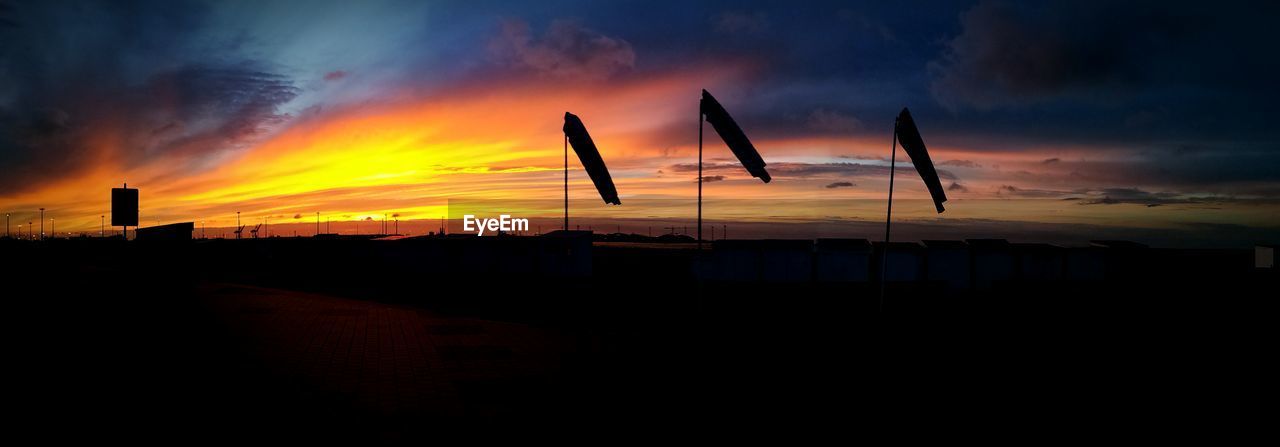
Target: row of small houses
960, 265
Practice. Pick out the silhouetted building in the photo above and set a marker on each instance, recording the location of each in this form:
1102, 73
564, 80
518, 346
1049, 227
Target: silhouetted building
904, 262
786, 260
948, 262
171, 232
1264, 256
1125, 260
770, 260
1085, 264
842, 260
1040, 262
565, 253
993, 262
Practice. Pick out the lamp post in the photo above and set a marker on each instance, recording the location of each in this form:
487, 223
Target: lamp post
53, 228
6, 224
102, 226
317, 223
42, 224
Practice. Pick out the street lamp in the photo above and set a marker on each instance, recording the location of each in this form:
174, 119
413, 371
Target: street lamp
42, 224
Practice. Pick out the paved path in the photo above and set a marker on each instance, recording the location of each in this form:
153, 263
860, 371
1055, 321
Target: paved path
390, 363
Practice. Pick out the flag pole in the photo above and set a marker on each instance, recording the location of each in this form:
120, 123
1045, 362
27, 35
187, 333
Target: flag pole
566, 182
700, 120
888, 217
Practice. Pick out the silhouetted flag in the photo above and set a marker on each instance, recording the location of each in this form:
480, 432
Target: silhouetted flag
909, 136
733, 137
590, 157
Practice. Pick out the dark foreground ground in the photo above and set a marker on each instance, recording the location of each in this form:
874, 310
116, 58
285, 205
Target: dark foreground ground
156, 344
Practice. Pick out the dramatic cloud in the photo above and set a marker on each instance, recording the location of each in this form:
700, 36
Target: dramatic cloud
1014, 191
567, 50
279, 108
1111, 196
1016, 54
831, 121
960, 163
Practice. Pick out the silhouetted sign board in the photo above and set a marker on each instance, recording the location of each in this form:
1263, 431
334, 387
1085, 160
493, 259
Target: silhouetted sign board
124, 207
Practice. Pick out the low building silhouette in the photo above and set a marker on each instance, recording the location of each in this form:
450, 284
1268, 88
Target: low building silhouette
948, 262
171, 232
842, 260
993, 262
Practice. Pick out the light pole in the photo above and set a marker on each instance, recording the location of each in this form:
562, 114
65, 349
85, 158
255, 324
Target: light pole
238, 226
102, 226
6, 224
53, 228
317, 223
42, 224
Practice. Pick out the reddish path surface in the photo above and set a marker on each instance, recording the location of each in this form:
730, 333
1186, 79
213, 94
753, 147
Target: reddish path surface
390, 366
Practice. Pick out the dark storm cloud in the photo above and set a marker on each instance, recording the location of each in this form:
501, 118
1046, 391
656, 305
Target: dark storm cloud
6, 19
834, 185
120, 82
566, 50
1106, 69
1016, 53
1111, 196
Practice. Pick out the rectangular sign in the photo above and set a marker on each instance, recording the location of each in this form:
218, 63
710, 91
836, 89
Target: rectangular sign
124, 207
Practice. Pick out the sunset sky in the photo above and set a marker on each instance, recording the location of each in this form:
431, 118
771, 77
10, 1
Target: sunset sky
1150, 116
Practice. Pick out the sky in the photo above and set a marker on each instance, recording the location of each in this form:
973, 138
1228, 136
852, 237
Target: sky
1150, 118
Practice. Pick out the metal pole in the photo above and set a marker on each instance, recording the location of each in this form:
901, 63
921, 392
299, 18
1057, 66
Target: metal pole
700, 116
566, 182
42, 224
102, 226
888, 217
317, 222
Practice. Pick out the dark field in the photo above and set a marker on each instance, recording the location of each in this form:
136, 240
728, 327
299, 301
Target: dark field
348, 341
